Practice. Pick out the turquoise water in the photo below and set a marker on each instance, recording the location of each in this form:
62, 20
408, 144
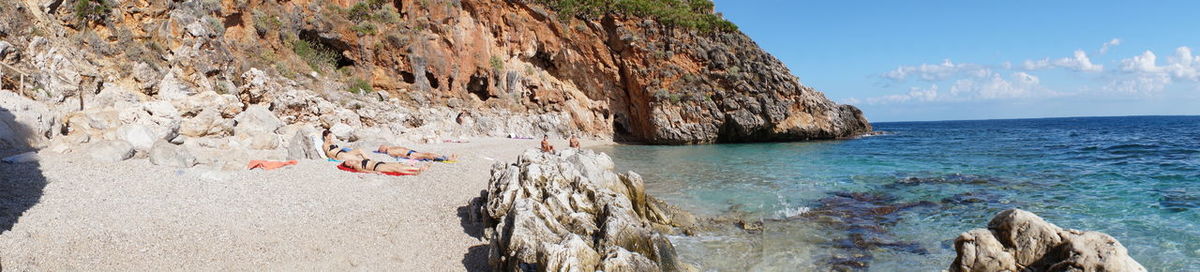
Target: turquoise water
896, 202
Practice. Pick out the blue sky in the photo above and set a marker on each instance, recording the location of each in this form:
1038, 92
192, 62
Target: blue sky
954, 60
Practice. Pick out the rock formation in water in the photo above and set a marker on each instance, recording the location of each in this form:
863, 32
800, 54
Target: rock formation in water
1017, 240
571, 212
215, 74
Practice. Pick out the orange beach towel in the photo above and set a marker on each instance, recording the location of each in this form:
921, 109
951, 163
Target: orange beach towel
268, 165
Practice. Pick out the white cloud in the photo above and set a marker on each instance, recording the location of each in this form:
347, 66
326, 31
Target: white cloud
1148, 76
1078, 62
1104, 48
932, 72
979, 85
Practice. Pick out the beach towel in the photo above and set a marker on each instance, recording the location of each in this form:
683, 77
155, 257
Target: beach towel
348, 169
268, 165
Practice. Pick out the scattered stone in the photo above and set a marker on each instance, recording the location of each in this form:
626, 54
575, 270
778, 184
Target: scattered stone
1017, 240
170, 155
171, 88
111, 151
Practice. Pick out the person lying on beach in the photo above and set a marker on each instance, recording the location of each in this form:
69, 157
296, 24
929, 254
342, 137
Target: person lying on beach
370, 166
404, 152
546, 146
335, 152
574, 142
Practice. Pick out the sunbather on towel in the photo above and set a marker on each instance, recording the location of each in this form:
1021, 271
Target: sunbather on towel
371, 166
404, 152
335, 152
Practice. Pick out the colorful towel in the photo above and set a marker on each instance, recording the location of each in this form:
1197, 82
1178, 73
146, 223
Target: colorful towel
352, 170
268, 165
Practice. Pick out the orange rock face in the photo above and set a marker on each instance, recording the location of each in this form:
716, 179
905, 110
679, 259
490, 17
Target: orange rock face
628, 78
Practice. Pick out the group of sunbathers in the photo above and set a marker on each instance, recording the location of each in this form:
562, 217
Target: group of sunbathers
359, 161
547, 147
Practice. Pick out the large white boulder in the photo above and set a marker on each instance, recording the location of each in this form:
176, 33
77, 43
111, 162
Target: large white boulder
111, 151
140, 136
208, 122
1017, 240
257, 119
24, 123
167, 154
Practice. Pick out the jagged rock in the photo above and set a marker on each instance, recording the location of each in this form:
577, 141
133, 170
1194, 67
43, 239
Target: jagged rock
170, 155
197, 29
146, 75
208, 122
1017, 240
621, 260
5, 48
538, 208
226, 105
342, 131
111, 151
171, 88
301, 148
139, 136
24, 123
257, 119
264, 141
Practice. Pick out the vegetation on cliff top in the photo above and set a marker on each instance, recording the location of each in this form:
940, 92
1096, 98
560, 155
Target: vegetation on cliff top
691, 14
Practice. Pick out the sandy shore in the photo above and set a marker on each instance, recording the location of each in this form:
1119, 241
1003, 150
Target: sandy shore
133, 215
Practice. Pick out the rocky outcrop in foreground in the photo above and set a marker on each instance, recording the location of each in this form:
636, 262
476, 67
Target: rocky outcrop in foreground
1017, 240
571, 212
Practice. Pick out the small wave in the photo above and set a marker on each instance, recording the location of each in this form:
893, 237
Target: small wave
789, 212
1130, 147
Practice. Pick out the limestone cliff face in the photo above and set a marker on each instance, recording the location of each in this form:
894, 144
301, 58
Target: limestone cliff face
470, 62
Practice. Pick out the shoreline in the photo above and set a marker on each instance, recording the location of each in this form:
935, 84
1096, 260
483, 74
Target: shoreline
133, 214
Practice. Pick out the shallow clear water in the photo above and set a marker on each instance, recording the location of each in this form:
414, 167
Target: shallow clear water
896, 202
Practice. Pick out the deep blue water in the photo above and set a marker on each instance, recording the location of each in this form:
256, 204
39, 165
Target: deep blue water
896, 202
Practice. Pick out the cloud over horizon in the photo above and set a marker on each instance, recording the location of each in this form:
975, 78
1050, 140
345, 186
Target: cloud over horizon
949, 81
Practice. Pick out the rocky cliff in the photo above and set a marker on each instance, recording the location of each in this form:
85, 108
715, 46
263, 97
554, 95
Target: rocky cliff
412, 67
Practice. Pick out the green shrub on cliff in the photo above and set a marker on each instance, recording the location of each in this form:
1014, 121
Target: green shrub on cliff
91, 10
690, 14
317, 56
359, 86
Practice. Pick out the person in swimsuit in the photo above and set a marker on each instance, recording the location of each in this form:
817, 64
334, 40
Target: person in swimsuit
546, 146
371, 166
574, 142
335, 152
403, 152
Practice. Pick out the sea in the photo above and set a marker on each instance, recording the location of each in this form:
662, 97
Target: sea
896, 201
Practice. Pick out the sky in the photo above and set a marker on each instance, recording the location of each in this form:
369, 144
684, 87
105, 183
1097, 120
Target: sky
961, 60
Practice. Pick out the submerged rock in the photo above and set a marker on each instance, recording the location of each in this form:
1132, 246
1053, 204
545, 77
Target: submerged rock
540, 209
1017, 240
